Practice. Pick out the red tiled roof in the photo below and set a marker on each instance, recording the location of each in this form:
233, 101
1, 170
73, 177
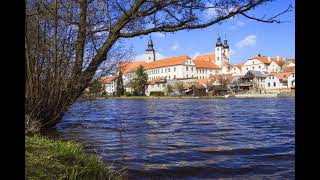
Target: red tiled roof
205, 57
108, 79
282, 76
289, 69
157, 80
133, 66
178, 60
239, 65
205, 64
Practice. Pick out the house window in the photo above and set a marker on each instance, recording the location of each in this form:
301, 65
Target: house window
174, 69
268, 84
158, 85
187, 75
192, 76
259, 67
274, 84
272, 77
168, 69
206, 71
253, 67
165, 70
292, 75
161, 70
187, 68
169, 76
247, 68
174, 76
191, 68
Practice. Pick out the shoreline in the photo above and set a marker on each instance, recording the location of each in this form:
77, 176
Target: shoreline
237, 96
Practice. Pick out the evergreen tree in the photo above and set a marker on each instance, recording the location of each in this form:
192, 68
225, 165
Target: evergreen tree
139, 82
120, 88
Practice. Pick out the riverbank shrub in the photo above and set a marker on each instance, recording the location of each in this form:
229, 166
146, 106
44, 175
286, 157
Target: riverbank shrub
58, 159
156, 93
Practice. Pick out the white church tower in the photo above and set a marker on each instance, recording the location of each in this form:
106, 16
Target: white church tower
219, 53
226, 52
150, 52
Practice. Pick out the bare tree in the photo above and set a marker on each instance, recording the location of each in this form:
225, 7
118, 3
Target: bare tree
67, 42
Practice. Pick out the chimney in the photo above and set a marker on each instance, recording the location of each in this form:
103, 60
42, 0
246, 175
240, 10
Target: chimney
269, 58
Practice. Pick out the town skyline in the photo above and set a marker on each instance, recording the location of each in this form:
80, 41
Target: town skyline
246, 38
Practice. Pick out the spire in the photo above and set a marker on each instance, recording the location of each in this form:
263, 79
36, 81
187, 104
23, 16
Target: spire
150, 45
219, 43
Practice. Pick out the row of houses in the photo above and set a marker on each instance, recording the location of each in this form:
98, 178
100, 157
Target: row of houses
258, 74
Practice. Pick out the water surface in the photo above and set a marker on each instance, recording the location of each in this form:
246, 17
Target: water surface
189, 138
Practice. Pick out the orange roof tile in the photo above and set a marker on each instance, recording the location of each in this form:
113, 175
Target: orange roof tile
108, 79
289, 69
263, 59
205, 64
133, 66
205, 57
157, 80
282, 76
239, 65
172, 61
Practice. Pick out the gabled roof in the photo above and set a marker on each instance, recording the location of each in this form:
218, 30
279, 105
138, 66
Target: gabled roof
283, 76
239, 65
263, 59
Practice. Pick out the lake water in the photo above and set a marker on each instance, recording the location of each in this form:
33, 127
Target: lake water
189, 138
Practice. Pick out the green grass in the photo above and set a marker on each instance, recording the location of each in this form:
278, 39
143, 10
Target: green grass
58, 159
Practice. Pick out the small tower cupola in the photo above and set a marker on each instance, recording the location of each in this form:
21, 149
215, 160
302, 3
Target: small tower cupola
219, 43
150, 45
225, 44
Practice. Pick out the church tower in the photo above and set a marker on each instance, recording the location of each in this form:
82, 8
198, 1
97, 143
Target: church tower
219, 53
226, 51
150, 52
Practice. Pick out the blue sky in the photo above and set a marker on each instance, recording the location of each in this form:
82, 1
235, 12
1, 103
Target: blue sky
245, 37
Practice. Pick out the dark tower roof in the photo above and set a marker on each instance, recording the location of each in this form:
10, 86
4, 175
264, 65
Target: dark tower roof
150, 45
225, 44
219, 43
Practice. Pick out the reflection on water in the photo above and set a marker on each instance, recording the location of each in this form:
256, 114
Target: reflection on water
189, 139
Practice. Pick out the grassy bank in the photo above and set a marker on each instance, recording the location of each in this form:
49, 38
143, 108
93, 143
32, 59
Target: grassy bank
57, 159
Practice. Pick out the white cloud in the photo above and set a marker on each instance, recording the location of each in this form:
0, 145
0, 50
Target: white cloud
247, 41
196, 54
237, 25
175, 46
143, 57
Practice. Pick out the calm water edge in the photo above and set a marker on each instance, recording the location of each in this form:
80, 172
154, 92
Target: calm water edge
189, 138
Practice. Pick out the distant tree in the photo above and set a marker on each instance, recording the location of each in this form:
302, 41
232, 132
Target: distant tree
179, 87
96, 87
120, 88
169, 89
140, 81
